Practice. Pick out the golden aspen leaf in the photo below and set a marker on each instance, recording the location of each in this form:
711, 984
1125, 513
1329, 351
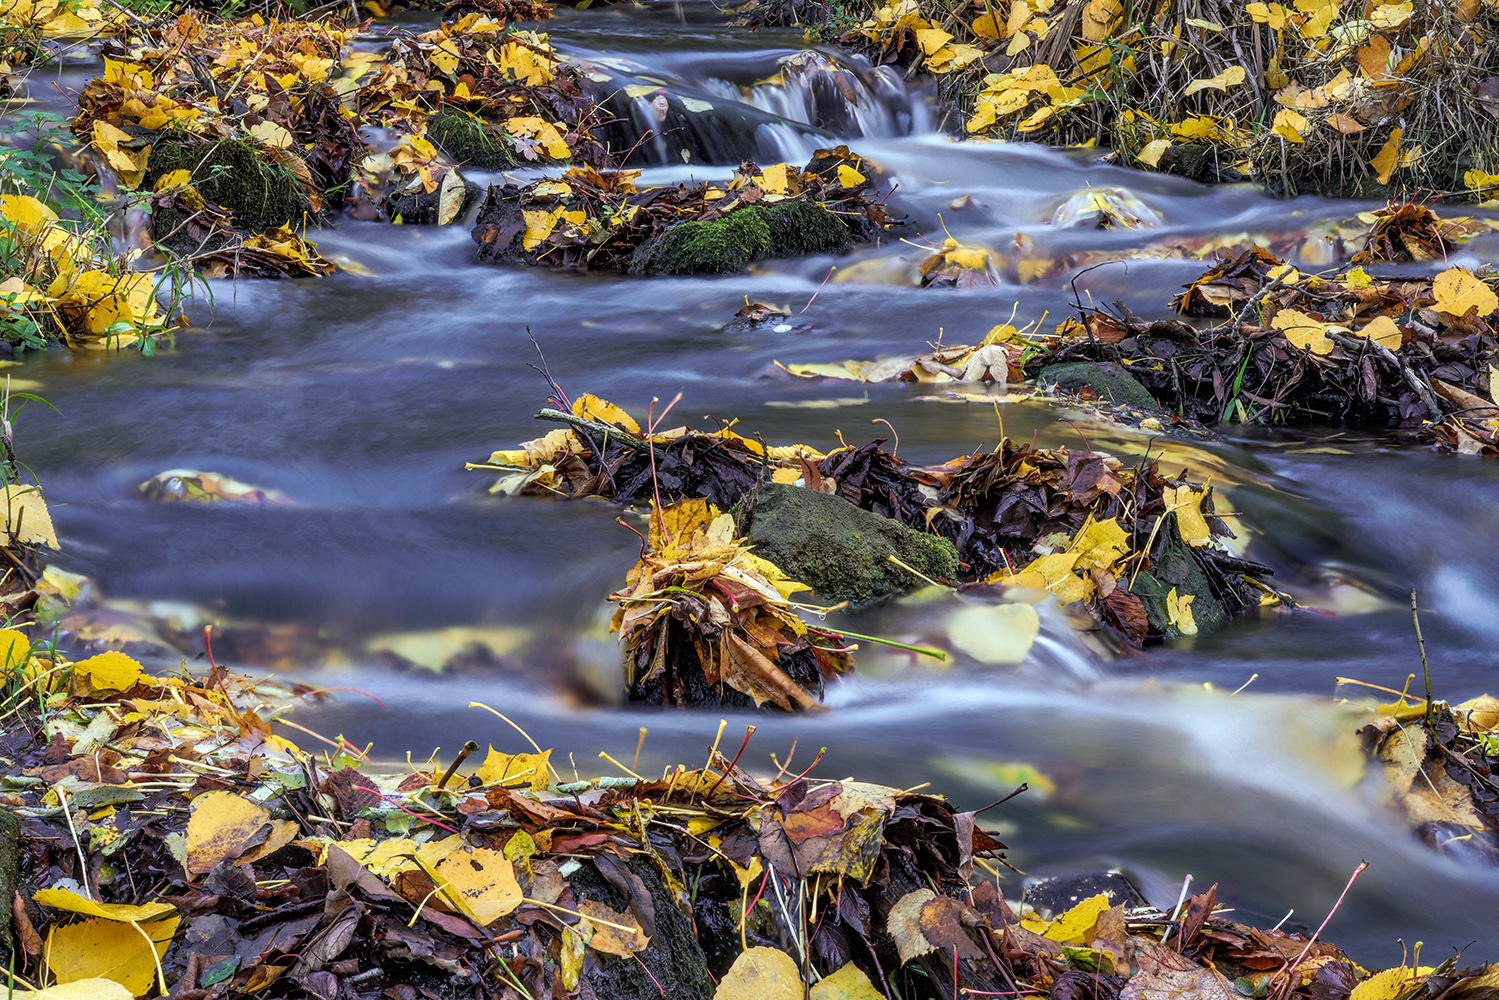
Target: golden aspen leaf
1391, 15
1231, 77
988, 25
1389, 984
1456, 291
594, 408
26, 213
81, 989
1290, 125
848, 177
481, 883
1179, 612
126, 953
109, 671
1477, 180
26, 517
1073, 926
1152, 152
848, 983
994, 633
1374, 59
1272, 14
445, 57
1387, 158
222, 827
1303, 331
128, 164
611, 939
1358, 278
529, 769
761, 973
539, 225
1098, 17
450, 197
272, 135
929, 40
1187, 503
1383, 331
1343, 123
973, 258
773, 179
72, 902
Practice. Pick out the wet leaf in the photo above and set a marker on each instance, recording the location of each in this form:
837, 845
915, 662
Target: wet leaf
1457, 291
81, 989
1302, 331
72, 902
481, 883
761, 973
26, 516
996, 633
222, 827
450, 197
1383, 331
109, 671
610, 939
1187, 504
1151, 153
1179, 612
530, 769
848, 983
109, 949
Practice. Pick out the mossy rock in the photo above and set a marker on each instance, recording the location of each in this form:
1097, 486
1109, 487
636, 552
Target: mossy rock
754, 232
10, 848
468, 141
841, 550
419, 207
1175, 566
673, 965
234, 174
1108, 380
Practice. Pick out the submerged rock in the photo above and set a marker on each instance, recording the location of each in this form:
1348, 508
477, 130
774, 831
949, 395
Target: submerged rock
754, 232
840, 550
1108, 380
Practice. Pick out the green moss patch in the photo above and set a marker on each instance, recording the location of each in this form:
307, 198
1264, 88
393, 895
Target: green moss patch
235, 175
754, 232
469, 141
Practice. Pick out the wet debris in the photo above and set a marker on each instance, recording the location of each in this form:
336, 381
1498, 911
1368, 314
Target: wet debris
170, 843
1413, 352
206, 487
600, 221
1316, 96
1142, 551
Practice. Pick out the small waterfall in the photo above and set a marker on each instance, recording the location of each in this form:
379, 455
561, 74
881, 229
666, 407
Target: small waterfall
811, 101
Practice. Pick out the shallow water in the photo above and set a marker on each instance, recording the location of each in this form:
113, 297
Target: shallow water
362, 397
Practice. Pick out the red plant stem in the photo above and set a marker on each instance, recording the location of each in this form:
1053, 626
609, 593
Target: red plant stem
748, 732
1312, 940
648, 972
408, 812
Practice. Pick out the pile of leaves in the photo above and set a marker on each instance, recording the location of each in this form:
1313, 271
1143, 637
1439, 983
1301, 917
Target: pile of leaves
1317, 95
700, 611
235, 134
1142, 551
600, 221
1441, 763
170, 844
1415, 352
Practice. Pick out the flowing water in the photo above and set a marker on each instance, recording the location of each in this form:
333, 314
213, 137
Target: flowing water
362, 397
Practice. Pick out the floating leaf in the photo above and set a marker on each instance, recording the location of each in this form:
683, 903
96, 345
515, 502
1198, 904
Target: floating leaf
994, 633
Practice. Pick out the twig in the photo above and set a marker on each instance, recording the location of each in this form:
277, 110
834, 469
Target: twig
598, 427
1421, 645
468, 748
1421, 389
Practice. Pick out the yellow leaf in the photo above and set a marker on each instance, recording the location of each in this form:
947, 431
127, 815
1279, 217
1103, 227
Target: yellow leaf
1179, 612
1391, 15
1231, 77
1272, 14
613, 940
222, 827
481, 883
82, 989
450, 197
26, 517
1388, 984
1358, 278
1187, 503
1456, 291
539, 225
973, 258
109, 949
1303, 331
1475, 180
761, 973
1383, 331
1100, 544
1073, 926
1153, 151
931, 39
1387, 158
26, 213
516, 769
67, 899
773, 179
445, 57
272, 135
848, 177
594, 408
848, 983
1343, 123
1291, 125
129, 164
109, 671
543, 132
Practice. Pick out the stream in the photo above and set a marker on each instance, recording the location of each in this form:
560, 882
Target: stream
362, 396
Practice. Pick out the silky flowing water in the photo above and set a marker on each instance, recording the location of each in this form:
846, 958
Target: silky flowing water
361, 397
